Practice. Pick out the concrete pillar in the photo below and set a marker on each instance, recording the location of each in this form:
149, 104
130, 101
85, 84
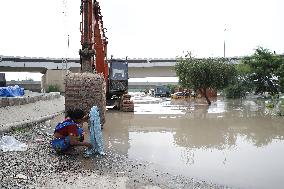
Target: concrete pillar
53, 78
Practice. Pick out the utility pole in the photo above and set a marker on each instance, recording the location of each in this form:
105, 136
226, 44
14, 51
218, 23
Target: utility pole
224, 43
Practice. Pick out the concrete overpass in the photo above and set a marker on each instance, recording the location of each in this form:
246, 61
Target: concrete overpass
54, 69
133, 85
138, 68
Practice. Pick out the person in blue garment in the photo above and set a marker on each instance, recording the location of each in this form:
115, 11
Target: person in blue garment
68, 133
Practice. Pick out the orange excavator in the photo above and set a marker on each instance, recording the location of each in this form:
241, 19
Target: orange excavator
93, 57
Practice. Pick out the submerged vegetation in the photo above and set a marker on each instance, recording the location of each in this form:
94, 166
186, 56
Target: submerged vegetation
261, 74
204, 74
266, 70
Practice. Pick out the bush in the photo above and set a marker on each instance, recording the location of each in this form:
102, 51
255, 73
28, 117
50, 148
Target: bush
53, 88
171, 88
280, 107
235, 91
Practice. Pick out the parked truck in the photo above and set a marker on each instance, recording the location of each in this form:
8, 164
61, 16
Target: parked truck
161, 91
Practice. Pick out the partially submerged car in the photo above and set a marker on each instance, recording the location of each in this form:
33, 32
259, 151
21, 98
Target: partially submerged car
178, 95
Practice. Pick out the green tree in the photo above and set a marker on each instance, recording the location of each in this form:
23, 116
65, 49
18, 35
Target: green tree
264, 66
204, 73
241, 84
280, 74
171, 88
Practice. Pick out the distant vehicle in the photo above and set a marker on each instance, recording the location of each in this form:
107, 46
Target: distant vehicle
151, 92
161, 91
178, 95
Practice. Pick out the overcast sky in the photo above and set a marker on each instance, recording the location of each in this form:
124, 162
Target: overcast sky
144, 28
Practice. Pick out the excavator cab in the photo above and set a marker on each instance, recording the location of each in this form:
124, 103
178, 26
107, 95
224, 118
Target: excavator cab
118, 86
118, 77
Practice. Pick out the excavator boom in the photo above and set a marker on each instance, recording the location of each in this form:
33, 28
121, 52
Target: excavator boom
93, 39
93, 55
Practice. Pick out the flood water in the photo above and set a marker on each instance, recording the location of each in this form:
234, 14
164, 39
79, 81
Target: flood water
234, 143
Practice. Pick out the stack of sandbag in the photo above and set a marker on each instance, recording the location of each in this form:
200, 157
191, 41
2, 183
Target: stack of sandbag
85, 90
126, 105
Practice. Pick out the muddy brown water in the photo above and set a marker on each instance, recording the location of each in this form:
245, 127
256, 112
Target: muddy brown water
234, 143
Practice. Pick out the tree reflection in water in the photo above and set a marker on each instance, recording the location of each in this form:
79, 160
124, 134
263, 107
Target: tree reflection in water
220, 129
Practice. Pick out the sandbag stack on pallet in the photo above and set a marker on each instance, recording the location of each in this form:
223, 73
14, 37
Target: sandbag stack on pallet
126, 104
85, 90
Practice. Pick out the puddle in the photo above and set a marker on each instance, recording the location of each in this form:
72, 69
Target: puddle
231, 143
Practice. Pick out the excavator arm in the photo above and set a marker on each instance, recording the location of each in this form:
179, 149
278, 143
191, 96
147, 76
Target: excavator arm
93, 56
93, 39
100, 42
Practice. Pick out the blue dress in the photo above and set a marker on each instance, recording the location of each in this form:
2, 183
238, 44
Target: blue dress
63, 144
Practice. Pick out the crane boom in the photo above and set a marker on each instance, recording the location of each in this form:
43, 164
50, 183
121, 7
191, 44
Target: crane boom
93, 56
100, 42
93, 39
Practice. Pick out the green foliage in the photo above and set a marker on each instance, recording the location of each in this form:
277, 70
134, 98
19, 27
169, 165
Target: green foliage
280, 74
269, 105
29, 79
280, 108
204, 73
241, 84
243, 69
264, 66
236, 90
53, 88
18, 130
171, 88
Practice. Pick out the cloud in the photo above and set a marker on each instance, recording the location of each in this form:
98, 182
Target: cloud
160, 28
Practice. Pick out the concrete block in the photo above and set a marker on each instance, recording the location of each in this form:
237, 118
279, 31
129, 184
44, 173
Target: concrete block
31, 99
21, 101
36, 98
11, 101
24, 101
27, 100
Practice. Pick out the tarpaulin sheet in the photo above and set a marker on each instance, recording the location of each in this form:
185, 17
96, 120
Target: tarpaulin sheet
11, 91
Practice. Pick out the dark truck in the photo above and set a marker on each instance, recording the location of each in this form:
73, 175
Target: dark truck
161, 91
2, 80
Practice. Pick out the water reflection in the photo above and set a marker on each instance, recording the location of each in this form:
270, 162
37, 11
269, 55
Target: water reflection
231, 142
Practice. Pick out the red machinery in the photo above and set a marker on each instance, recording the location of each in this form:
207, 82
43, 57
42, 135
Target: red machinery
93, 39
93, 56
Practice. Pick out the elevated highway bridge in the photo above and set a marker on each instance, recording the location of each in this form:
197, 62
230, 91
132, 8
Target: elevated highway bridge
138, 68
54, 69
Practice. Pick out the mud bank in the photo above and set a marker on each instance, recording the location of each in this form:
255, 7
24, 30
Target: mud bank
27, 114
40, 167
163, 144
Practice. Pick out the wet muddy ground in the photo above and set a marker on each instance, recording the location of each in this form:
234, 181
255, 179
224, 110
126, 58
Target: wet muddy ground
166, 144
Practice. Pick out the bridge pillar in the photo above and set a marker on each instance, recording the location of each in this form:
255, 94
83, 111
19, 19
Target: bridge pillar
54, 78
